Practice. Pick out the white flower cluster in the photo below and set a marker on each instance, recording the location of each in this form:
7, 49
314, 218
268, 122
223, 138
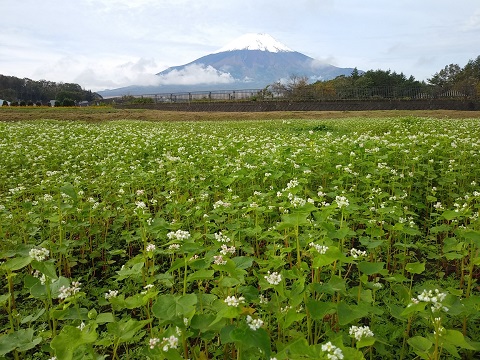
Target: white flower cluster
254, 324
291, 184
334, 353
39, 275
360, 332
66, 292
167, 343
111, 294
221, 203
274, 278
39, 254
227, 250
234, 301
322, 249
140, 205
440, 330
438, 206
296, 201
357, 253
222, 238
435, 297
178, 235
150, 248
341, 201
219, 260
174, 247
170, 343
153, 342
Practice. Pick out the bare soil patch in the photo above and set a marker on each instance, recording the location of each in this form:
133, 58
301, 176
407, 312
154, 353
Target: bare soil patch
95, 114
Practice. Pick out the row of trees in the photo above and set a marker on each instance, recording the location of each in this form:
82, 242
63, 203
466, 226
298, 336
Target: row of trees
455, 76
452, 81
26, 90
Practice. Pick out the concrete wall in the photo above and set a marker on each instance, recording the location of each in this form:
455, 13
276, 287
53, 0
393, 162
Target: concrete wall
346, 105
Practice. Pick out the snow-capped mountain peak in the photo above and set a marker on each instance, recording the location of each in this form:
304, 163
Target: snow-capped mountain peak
263, 42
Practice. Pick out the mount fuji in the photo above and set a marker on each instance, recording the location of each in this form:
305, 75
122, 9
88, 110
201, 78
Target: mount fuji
251, 61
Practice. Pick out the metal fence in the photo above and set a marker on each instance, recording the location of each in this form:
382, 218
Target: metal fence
310, 93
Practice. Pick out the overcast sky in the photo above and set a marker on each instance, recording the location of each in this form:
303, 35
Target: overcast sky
102, 44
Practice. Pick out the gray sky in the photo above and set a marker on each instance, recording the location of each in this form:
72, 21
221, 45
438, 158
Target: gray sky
102, 44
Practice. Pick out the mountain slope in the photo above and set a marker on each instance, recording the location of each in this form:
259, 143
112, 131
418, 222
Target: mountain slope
263, 67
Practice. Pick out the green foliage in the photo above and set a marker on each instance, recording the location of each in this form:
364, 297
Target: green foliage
13, 88
207, 240
68, 102
71, 338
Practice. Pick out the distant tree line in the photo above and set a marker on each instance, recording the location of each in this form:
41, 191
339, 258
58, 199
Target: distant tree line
28, 92
452, 81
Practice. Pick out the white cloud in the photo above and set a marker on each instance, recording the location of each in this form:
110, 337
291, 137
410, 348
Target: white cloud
196, 74
321, 63
100, 73
473, 22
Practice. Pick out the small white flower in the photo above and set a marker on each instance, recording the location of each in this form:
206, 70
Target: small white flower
297, 202
322, 249
219, 260
234, 301
140, 205
111, 294
174, 247
274, 278
150, 248
221, 203
178, 235
360, 332
434, 297
227, 250
39, 254
221, 238
66, 292
152, 342
170, 343
438, 206
254, 324
334, 353
341, 201
357, 253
